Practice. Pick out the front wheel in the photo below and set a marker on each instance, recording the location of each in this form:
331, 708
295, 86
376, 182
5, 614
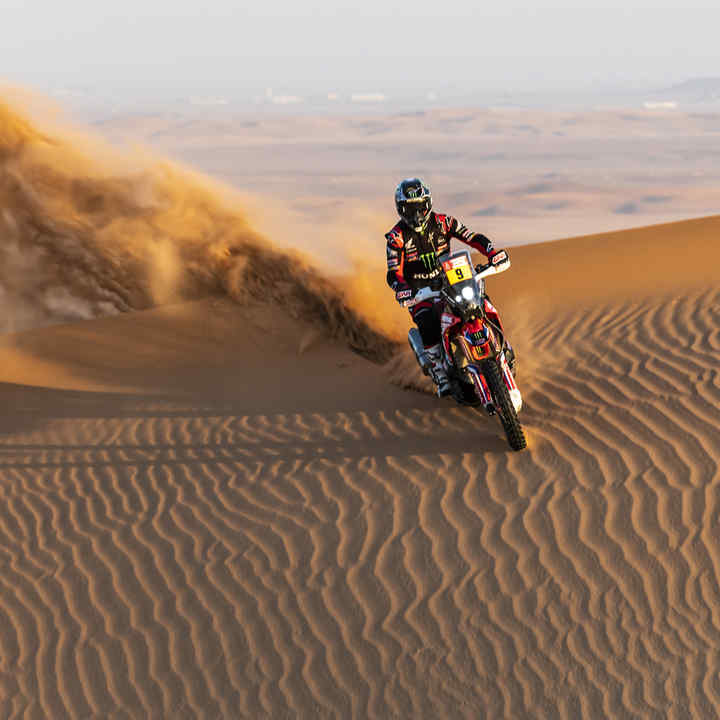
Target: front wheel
504, 406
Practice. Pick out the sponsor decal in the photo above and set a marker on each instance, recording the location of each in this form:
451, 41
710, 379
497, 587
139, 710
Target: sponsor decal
395, 239
456, 262
499, 257
393, 259
429, 261
426, 276
447, 320
403, 294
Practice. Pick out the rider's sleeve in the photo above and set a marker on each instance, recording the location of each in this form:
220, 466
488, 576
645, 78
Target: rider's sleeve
395, 260
477, 241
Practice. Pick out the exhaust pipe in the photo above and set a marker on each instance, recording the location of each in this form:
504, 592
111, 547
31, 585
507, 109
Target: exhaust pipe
418, 348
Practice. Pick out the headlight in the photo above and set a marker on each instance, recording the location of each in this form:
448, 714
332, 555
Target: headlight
468, 293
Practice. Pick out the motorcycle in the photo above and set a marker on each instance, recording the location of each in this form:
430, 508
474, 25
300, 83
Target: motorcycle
478, 359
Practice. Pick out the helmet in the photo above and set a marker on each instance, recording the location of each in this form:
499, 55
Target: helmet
414, 203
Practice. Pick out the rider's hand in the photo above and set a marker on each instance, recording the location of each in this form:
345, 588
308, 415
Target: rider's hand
403, 294
498, 257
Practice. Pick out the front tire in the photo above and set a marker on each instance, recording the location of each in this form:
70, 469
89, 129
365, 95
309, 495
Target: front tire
504, 406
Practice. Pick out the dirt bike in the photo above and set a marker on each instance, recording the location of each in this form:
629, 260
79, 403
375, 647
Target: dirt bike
478, 359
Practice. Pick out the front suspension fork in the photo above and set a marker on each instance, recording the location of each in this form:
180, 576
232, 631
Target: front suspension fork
483, 390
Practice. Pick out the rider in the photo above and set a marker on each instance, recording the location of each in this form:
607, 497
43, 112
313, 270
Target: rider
413, 247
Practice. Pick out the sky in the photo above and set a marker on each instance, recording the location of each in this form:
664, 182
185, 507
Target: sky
321, 46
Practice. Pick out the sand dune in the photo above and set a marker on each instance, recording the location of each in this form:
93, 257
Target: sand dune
208, 511
215, 508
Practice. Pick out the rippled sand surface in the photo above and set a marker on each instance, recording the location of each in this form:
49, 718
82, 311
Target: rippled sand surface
208, 510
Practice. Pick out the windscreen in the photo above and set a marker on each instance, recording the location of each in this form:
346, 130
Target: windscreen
460, 276
458, 268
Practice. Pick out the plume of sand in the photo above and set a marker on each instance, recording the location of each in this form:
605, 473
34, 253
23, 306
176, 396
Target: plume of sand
83, 235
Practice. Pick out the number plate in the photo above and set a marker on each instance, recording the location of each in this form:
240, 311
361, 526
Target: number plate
457, 269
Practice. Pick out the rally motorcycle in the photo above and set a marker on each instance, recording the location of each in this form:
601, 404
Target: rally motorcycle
479, 361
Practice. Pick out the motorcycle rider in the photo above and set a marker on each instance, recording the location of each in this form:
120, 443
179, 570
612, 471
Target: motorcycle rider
413, 247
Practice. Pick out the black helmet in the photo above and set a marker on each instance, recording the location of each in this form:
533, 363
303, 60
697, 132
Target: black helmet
414, 203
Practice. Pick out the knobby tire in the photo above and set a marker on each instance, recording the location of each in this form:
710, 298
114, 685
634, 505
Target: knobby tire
504, 406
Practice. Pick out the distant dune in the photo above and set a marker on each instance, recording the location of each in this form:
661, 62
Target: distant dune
214, 508
542, 173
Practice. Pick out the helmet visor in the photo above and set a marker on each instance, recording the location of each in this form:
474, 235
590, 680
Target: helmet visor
415, 212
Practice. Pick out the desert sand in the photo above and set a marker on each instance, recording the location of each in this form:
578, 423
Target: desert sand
214, 506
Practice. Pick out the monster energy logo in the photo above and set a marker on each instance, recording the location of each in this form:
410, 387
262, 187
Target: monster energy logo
428, 260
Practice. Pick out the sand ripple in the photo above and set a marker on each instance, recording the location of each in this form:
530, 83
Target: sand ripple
383, 563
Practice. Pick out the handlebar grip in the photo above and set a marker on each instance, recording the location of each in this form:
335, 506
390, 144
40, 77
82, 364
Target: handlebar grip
497, 263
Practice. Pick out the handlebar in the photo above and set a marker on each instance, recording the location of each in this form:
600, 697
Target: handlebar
499, 263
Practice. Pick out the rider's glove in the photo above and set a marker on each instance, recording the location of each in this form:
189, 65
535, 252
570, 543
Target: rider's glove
498, 257
403, 293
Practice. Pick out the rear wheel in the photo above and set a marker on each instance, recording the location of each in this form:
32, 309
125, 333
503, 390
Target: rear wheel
503, 404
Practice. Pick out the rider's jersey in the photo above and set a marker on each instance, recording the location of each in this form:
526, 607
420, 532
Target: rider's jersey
412, 257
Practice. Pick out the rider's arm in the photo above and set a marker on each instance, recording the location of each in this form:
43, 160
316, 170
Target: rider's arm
395, 260
477, 241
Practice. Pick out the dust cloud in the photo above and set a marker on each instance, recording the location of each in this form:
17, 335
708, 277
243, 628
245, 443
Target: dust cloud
87, 231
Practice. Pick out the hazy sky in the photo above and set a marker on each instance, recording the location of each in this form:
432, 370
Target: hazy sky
385, 44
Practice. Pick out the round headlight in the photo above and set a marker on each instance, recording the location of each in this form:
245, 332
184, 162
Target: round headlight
468, 293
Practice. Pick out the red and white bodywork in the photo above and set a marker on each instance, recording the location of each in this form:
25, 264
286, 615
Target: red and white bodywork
472, 332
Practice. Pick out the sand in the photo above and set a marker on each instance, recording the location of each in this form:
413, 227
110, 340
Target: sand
217, 500
211, 511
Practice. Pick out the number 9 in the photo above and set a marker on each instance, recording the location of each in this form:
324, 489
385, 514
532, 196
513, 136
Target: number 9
459, 273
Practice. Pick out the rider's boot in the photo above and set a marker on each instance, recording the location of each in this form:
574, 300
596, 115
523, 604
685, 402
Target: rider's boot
437, 370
